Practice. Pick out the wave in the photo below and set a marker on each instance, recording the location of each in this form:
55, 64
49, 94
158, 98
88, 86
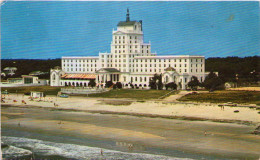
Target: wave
12, 152
25, 146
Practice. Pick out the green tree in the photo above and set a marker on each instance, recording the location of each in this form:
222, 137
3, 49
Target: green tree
160, 84
118, 85
108, 84
171, 85
156, 82
92, 83
194, 83
213, 82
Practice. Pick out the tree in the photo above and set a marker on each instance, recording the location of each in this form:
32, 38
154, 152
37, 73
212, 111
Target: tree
92, 83
118, 85
160, 84
171, 85
108, 84
156, 82
213, 82
194, 83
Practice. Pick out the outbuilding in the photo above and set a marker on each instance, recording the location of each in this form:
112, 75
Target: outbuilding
37, 94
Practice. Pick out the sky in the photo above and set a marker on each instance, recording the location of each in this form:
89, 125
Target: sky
47, 30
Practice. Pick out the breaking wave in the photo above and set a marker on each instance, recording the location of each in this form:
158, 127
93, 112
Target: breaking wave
18, 147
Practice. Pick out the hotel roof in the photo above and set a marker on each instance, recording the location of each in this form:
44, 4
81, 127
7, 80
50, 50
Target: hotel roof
79, 76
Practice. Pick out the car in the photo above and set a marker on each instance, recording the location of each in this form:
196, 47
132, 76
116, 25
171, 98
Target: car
64, 96
5, 92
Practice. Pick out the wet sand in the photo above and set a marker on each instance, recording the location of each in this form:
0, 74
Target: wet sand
225, 140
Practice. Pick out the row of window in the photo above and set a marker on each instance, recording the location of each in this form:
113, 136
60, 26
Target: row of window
134, 65
123, 46
131, 51
165, 60
79, 60
81, 69
123, 37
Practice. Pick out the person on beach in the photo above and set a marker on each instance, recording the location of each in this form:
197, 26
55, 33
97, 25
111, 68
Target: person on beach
205, 133
101, 152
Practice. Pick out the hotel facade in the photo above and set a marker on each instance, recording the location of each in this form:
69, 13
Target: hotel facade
130, 62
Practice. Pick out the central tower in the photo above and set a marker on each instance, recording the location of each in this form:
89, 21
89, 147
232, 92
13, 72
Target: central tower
127, 42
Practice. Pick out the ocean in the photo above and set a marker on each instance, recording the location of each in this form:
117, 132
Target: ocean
26, 148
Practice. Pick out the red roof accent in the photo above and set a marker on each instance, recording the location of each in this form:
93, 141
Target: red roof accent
79, 76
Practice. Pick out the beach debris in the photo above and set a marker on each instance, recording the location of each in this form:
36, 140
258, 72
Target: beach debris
205, 133
257, 131
236, 111
14, 100
130, 147
23, 102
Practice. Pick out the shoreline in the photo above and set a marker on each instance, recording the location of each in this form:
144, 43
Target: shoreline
221, 139
140, 115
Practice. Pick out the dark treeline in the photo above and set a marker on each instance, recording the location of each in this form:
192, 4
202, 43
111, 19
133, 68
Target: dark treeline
25, 66
228, 68
235, 68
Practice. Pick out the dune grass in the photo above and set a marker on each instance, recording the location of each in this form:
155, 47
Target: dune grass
48, 90
131, 93
247, 97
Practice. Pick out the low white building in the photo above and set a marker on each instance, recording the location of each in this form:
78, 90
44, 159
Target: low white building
130, 62
37, 94
10, 70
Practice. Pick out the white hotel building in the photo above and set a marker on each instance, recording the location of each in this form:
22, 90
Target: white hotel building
130, 62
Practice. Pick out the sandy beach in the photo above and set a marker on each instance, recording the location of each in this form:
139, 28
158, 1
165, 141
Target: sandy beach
80, 117
167, 107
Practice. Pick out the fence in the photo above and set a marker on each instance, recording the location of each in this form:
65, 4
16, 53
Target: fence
83, 90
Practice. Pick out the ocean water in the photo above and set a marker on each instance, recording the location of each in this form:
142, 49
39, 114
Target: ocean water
23, 148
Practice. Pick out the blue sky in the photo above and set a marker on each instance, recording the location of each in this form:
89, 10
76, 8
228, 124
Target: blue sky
42, 30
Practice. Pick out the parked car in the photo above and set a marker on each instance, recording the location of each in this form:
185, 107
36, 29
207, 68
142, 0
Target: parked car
64, 96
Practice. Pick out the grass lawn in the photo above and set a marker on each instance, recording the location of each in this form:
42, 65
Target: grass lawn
48, 90
131, 93
250, 97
